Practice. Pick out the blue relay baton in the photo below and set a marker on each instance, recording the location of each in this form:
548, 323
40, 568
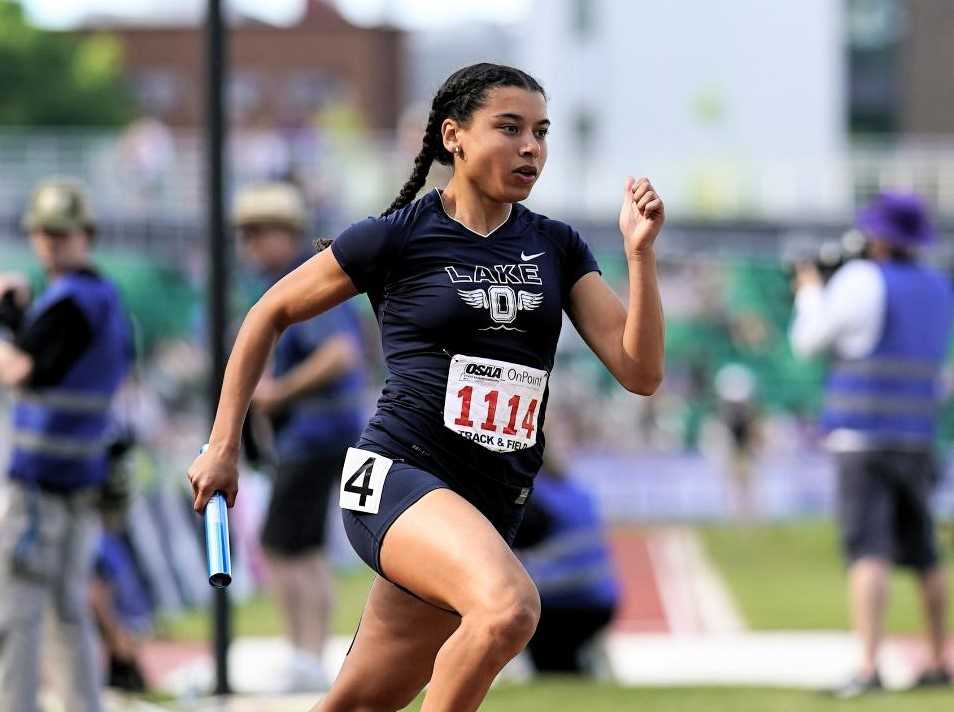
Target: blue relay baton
217, 539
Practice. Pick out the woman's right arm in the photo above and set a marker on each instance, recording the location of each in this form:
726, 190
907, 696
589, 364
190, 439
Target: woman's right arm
313, 288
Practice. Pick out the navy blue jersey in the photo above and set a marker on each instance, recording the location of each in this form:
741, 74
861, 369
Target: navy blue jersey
440, 290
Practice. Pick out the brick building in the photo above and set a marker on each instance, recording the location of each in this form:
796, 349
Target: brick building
278, 74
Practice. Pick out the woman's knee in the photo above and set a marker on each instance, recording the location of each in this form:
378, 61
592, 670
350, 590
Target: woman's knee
510, 617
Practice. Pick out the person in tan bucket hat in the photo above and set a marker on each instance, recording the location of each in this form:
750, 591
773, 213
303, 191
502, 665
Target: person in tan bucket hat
59, 205
278, 204
312, 398
65, 353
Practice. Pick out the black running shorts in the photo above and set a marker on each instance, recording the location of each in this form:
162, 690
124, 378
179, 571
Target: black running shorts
503, 505
298, 509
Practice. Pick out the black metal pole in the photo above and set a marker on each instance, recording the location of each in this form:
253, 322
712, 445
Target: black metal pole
216, 66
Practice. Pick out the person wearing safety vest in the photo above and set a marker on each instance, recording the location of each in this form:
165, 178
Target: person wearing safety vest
562, 544
63, 359
887, 320
312, 398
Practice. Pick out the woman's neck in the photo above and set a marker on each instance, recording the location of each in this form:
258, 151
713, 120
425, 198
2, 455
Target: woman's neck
478, 213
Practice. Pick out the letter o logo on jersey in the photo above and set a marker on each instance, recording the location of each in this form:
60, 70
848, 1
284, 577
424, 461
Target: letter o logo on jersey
503, 304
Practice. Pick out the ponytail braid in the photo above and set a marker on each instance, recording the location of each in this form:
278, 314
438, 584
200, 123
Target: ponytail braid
461, 94
422, 163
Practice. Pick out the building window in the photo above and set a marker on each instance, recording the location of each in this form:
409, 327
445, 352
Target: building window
875, 31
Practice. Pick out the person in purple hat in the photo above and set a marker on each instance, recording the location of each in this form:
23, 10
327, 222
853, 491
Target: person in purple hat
886, 320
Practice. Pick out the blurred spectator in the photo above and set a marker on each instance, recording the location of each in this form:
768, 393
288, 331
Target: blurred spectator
562, 544
118, 596
122, 612
262, 151
735, 388
69, 352
147, 148
312, 399
888, 320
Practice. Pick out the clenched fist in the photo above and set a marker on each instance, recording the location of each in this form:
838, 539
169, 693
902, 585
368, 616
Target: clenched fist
641, 216
212, 471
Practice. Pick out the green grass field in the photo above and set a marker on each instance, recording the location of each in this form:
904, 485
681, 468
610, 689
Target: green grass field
575, 696
782, 576
790, 577
259, 617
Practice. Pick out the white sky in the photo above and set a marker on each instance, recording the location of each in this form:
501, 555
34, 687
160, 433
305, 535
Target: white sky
411, 14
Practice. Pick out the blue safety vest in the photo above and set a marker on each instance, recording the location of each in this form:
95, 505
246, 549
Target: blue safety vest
571, 567
889, 399
330, 415
60, 432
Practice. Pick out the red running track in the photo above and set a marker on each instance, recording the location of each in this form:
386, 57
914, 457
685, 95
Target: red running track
642, 609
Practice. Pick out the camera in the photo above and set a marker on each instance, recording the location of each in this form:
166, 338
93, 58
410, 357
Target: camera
828, 256
11, 313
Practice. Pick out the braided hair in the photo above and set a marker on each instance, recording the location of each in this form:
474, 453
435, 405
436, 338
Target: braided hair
462, 93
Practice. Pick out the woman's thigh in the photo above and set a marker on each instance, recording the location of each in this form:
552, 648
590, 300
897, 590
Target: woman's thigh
393, 652
449, 554
451, 558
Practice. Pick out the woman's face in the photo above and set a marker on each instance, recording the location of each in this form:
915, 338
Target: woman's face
504, 144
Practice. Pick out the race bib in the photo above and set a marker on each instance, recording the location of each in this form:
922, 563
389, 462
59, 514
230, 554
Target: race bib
494, 403
362, 480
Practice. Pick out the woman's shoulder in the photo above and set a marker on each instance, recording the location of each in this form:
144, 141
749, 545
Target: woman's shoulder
407, 217
557, 231
368, 249
397, 224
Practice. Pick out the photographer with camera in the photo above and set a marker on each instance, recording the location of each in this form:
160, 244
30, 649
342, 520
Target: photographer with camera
887, 319
69, 352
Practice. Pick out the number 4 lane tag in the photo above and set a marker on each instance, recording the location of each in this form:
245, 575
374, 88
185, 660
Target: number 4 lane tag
362, 480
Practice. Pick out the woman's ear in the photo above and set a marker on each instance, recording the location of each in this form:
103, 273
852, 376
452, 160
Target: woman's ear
450, 135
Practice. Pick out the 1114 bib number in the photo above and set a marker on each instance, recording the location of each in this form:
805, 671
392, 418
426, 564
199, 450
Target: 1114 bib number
529, 422
492, 403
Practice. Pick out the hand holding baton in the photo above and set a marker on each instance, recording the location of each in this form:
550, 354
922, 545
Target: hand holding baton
217, 539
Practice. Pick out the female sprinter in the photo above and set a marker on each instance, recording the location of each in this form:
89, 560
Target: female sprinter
469, 289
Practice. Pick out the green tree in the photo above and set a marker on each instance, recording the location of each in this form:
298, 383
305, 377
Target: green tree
59, 79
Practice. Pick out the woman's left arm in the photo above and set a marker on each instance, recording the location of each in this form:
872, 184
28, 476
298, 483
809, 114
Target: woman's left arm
629, 341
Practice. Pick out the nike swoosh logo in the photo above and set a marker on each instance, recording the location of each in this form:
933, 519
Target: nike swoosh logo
530, 257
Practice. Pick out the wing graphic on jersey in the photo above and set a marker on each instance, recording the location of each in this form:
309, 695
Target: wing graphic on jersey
476, 298
528, 301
